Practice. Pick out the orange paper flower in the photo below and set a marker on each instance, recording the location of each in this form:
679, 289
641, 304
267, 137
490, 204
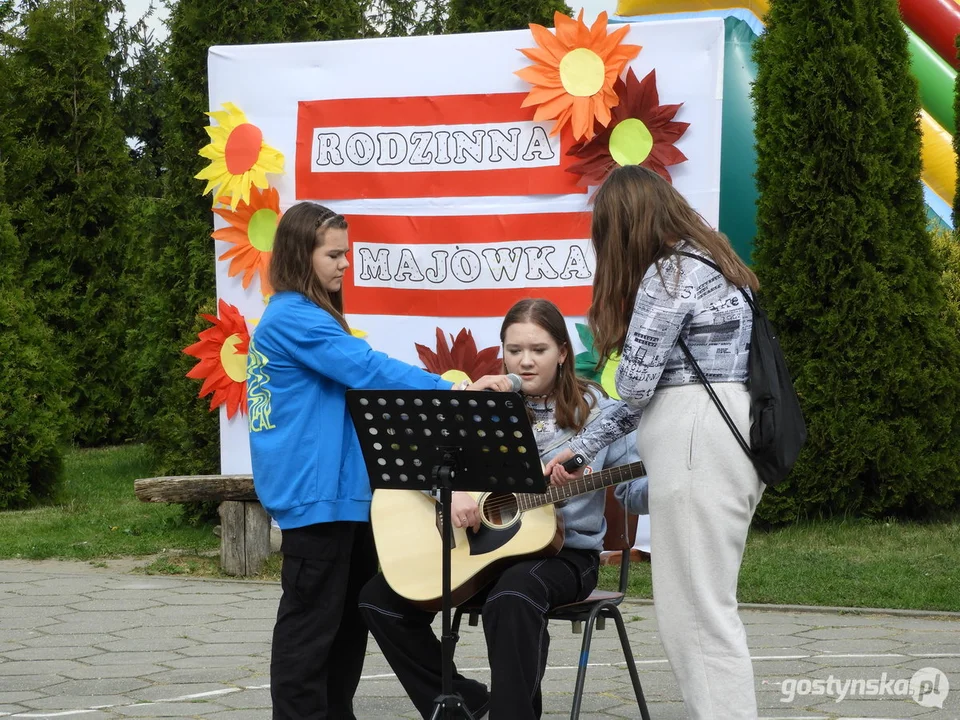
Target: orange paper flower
252, 228
461, 361
240, 159
574, 72
222, 352
641, 132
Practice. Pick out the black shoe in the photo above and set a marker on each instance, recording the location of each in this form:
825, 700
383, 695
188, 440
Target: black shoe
481, 711
478, 701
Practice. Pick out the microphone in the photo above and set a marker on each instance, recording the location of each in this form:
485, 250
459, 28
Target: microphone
574, 463
515, 382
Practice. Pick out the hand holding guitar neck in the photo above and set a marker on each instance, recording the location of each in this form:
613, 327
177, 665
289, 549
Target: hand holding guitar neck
570, 469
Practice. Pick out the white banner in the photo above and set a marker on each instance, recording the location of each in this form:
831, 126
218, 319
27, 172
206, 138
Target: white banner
458, 202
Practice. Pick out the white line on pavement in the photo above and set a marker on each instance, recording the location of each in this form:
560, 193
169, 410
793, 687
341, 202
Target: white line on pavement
390, 676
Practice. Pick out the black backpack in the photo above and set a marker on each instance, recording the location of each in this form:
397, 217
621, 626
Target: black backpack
777, 429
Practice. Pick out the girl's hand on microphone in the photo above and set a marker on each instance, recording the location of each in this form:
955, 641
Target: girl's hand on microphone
492, 382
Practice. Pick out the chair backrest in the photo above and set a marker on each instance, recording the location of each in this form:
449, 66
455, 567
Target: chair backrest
621, 525
621, 534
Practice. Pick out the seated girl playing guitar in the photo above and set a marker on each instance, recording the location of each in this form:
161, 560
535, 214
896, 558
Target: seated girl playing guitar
536, 346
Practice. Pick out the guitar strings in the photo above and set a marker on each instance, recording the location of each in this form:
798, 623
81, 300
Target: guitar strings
513, 499
501, 502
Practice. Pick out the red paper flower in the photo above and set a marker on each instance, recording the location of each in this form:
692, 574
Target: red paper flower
462, 359
641, 132
222, 351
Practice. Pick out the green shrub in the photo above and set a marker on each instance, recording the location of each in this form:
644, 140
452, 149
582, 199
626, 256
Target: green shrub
68, 191
32, 373
946, 247
486, 15
186, 437
846, 266
395, 18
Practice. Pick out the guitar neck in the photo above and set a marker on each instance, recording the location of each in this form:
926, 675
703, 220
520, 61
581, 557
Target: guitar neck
585, 484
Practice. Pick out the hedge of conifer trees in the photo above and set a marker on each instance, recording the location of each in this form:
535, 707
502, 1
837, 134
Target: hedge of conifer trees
846, 264
68, 193
32, 375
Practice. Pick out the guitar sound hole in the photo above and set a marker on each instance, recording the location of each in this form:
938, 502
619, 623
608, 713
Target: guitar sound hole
500, 509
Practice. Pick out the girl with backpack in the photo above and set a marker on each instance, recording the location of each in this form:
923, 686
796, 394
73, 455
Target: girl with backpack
651, 295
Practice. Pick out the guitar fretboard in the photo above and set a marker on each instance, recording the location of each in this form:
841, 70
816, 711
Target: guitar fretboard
585, 484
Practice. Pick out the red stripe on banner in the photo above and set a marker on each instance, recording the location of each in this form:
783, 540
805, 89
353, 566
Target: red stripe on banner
460, 230
430, 112
572, 302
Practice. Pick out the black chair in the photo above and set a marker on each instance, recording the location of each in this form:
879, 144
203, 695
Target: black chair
600, 605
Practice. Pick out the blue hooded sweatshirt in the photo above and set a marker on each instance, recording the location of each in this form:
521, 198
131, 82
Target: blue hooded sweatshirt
307, 464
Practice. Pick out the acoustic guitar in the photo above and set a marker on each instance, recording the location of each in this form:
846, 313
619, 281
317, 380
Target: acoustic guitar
407, 530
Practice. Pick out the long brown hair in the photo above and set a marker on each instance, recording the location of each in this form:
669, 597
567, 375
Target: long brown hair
638, 217
300, 231
572, 400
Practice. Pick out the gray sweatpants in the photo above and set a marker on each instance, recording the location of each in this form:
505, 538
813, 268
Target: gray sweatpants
703, 491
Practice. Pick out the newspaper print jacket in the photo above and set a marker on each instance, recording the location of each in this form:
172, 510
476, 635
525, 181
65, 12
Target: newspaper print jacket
681, 297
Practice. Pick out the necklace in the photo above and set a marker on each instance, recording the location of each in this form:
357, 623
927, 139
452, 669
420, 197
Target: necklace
543, 397
540, 423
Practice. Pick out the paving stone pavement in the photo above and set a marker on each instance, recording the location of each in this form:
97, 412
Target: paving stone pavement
102, 643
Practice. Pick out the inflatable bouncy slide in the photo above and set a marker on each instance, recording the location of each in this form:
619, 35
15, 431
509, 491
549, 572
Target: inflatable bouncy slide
931, 27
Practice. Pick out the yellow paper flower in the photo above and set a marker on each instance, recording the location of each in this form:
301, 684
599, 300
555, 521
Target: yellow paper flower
252, 228
239, 157
574, 72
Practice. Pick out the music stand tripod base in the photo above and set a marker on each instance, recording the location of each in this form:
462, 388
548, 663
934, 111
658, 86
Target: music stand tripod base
446, 440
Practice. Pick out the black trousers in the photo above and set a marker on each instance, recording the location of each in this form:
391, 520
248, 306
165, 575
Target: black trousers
514, 624
320, 638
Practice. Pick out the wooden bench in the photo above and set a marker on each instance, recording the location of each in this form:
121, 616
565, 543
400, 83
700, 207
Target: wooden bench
244, 524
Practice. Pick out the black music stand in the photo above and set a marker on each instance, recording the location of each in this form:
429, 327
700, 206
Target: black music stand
447, 440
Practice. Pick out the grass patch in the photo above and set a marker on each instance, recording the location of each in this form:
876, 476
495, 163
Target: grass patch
207, 566
849, 563
96, 514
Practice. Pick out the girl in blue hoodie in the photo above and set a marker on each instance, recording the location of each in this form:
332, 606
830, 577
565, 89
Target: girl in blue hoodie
308, 470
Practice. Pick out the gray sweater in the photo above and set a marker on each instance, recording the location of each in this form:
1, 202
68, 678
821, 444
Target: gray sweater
584, 524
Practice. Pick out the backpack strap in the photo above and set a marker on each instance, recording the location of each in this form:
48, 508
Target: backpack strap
716, 400
750, 301
699, 372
